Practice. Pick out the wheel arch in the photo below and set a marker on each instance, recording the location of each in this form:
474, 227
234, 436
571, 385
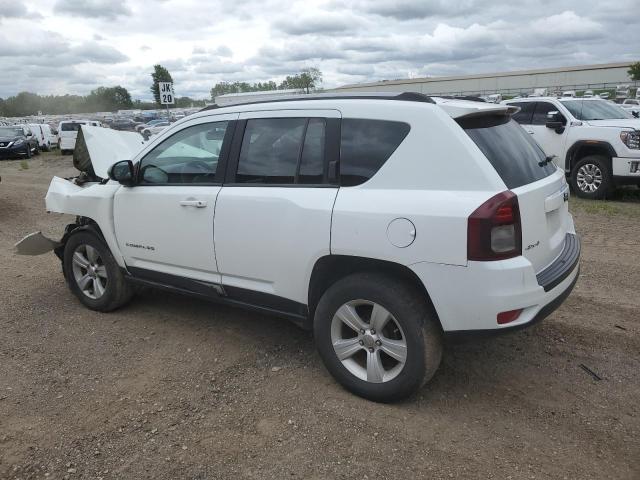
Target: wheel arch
331, 268
584, 148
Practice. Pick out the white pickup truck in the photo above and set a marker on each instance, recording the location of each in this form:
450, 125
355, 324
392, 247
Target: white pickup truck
596, 142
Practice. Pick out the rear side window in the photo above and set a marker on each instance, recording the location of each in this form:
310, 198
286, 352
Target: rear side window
282, 151
523, 117
365, 145
509, 148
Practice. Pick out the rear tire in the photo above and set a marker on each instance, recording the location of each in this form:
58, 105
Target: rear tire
411, 334
591, 178
93, 274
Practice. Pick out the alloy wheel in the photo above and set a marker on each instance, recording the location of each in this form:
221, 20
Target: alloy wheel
89, 271
589, 178
368, 341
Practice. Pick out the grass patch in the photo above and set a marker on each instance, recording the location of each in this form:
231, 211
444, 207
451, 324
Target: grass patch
625, 202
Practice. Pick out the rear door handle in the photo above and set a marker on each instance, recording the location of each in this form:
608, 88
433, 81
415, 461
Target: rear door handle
530, 131
193, 203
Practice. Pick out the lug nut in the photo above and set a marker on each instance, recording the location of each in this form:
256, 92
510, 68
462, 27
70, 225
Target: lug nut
373, 331
371, 350
362, 331
361, 342
378, 342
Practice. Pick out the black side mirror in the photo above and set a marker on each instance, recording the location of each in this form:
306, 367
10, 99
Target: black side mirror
122, 172
556, 121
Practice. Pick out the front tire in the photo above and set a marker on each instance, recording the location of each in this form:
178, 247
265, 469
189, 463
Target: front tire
93, 274
377, 336
591, 178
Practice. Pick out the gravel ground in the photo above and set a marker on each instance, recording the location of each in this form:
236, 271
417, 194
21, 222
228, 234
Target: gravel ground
171, 387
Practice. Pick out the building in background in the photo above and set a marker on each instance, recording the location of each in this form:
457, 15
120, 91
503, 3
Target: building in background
555, 80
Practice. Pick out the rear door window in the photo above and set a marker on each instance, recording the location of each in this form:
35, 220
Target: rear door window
509, 148
365, 146
523, 117
281, 151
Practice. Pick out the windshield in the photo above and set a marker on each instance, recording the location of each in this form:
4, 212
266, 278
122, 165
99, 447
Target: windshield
10, 131
595, 110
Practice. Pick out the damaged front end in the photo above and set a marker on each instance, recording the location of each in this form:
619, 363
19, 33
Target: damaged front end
89, 196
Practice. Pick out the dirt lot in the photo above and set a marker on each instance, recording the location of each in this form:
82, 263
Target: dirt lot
171, 387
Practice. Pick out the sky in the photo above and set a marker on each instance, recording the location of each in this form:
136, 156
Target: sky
74, 46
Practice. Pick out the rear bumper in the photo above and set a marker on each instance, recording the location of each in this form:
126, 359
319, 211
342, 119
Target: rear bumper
468, 299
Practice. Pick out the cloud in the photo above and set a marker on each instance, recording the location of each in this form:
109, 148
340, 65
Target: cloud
12, 9
323, 23
105, 9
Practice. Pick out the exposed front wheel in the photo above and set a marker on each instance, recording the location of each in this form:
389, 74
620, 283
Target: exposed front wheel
591, 178
377, 336
93, 274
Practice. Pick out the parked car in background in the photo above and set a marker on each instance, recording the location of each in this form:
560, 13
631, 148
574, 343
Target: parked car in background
155, 129
17, 141
42, 132
569, 94
604, 95
124, 124
54, 140
372, 250
587, 94
631, 104
151, 123
68, 132
622, 92
595, 142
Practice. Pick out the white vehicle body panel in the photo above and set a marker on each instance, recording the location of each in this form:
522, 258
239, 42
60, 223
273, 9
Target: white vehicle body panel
68, 137
91, 200
108, 146
261, 229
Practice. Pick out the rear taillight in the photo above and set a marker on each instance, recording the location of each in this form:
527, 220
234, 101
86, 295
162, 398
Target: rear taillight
494, 231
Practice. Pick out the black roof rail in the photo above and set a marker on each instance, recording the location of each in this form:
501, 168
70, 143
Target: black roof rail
403, 96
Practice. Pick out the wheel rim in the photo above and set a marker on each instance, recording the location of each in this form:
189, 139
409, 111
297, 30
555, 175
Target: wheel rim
368, 341
89, 271
589, 177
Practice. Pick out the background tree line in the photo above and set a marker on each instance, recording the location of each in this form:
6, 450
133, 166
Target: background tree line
307, 80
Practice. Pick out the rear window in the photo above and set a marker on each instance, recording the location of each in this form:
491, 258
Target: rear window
509, 148
365, 145
70, 127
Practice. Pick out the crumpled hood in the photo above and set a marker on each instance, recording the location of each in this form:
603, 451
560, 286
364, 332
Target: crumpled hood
618, 122
100, 148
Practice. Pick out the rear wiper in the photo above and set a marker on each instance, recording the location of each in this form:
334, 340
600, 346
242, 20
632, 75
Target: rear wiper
548, 159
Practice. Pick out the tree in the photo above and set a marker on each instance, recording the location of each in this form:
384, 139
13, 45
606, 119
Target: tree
160, 74
634, 71
109, 99
307, 79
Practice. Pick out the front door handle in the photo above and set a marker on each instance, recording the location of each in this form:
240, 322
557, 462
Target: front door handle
193, 203
530, 131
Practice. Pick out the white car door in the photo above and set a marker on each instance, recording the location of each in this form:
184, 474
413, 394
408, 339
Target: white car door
552, 142
164, 224
273, 218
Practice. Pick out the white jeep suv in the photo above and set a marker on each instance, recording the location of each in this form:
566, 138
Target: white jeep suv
382, 222
597, 143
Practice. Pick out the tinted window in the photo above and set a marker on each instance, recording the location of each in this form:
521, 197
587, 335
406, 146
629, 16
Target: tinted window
365, 145
282, 151
540, 114
270, 150
189, 156
514, 155
71, 127
312, 160
526, 111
